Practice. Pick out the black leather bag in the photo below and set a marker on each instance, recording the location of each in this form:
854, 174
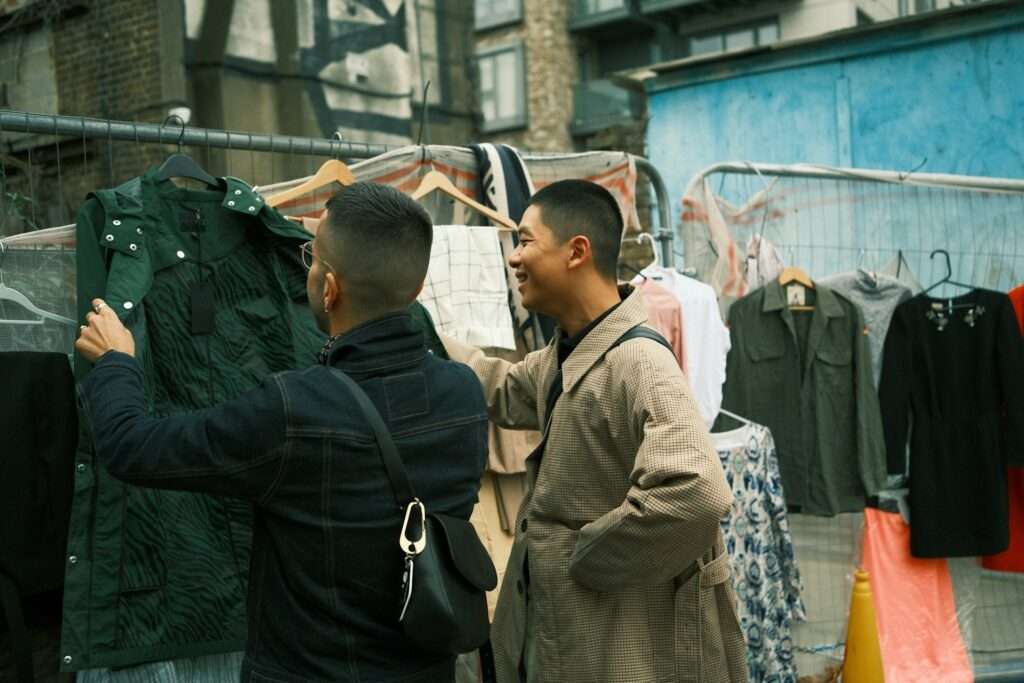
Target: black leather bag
447, 569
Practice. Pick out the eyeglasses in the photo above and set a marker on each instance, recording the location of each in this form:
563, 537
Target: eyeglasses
306, 249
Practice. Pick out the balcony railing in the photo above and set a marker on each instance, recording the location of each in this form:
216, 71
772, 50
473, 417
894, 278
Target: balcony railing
585, 14
601, 104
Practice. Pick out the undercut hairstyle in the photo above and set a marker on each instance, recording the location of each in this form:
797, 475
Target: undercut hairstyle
378, 240
580, 207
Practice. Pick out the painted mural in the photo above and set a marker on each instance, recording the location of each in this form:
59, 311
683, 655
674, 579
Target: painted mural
353, 59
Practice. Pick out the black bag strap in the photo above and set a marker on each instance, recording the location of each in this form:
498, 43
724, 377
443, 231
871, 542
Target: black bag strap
638, 332
641, 332
400, 484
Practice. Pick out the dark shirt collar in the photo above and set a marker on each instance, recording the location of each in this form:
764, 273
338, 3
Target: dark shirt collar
566, 345
384, 343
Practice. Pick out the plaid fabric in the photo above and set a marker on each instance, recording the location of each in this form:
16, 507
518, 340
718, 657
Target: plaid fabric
404, 169
628, 579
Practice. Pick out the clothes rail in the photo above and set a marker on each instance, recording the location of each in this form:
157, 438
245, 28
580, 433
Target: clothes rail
82, 127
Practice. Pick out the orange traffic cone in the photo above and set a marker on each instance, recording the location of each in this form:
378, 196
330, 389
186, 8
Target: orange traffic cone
863, 661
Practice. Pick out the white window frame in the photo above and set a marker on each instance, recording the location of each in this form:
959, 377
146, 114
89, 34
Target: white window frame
487, 22
520, 119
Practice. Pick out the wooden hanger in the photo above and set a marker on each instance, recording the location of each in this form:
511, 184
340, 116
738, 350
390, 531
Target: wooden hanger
792, 274
435, 180
332, 171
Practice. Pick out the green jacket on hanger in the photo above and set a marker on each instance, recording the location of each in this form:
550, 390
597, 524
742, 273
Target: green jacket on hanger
211, 284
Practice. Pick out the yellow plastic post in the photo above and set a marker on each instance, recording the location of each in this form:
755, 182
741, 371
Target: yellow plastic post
863, 662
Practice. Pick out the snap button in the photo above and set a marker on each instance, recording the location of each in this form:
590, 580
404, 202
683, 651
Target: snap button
238, 192
181, 254
133, 247
67, 659
138, 230
73, 559
128, 305
252, 209
80, 467
116, 221
109, 238
231, 202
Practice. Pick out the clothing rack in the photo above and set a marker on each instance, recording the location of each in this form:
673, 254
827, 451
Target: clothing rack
85, 128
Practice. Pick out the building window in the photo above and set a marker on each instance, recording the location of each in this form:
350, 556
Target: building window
738, 38
598, 6
501, 75
491, 13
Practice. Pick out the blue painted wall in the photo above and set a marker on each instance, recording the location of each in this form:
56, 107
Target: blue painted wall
958, 103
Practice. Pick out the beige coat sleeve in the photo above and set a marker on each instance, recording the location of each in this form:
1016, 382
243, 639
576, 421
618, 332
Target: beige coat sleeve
509, 388
678, 491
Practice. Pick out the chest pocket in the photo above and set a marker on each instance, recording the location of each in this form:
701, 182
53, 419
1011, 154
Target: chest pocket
834, 365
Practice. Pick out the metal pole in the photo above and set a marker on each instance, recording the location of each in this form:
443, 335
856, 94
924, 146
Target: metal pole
46, 124
664, 233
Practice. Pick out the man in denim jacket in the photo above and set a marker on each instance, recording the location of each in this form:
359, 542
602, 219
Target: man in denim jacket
325, 574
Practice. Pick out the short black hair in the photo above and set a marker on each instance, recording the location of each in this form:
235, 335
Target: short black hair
379, 241
580, 207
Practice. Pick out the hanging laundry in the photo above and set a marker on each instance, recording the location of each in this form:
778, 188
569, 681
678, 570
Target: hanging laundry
915, 609
952, 366
764, 567
705, 337
466, 290
807, 377
1012, 559
504, 184
664, 314
878, 296
764, 262
212, 287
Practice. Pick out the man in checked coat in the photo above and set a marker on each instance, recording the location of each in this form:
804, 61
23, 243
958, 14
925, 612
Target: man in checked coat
618, 572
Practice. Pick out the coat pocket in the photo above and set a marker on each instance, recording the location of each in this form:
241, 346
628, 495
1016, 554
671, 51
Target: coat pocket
835, 366
709, 641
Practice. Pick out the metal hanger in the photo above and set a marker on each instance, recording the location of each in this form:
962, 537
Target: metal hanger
14, 296
734, 416
181, 166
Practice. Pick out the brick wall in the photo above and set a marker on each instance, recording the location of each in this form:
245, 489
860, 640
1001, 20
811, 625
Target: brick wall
93, 58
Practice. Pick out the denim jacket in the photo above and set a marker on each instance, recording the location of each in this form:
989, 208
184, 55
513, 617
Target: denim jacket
324, 580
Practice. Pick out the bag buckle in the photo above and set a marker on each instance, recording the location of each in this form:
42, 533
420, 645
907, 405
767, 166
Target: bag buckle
409, 546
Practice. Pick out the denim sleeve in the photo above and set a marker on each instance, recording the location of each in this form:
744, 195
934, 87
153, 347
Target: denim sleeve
232, 449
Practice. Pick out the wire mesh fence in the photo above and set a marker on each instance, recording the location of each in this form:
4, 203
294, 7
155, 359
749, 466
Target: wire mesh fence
827, 222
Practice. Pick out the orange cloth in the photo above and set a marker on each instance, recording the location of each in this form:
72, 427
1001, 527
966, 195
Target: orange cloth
1012, 559
914, 607
665, 314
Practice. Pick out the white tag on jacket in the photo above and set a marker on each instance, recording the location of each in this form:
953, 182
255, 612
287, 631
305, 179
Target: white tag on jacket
796, 295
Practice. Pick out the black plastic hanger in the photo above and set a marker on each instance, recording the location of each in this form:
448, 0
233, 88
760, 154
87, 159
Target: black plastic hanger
947, 280
179, 165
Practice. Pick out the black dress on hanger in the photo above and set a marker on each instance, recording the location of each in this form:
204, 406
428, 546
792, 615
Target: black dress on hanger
953, 383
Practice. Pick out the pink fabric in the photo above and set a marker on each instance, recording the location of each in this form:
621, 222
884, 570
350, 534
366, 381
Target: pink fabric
914, 606
665, 314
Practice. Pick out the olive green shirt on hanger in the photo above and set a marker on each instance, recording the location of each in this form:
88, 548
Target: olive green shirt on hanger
808, 377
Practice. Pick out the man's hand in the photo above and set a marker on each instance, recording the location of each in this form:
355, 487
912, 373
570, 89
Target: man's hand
104, 332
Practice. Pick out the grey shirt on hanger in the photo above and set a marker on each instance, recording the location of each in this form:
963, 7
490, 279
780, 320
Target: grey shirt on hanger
877, 296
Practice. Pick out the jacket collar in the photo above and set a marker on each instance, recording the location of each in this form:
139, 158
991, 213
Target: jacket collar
595, 345
826, 301
385, 343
